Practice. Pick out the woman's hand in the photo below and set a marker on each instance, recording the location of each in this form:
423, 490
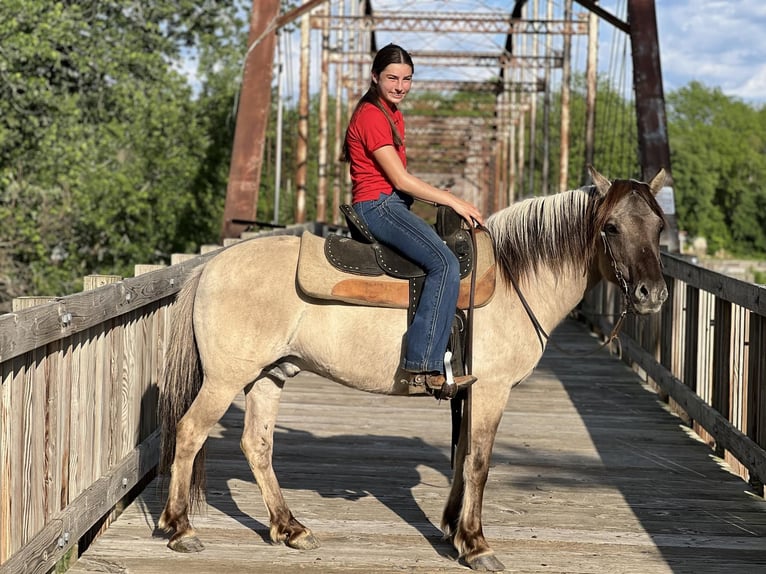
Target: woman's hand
464, 209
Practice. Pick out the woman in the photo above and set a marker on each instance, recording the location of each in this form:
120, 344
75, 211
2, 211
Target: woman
382, 193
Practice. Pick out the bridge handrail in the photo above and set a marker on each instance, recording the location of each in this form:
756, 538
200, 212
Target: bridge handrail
704, 352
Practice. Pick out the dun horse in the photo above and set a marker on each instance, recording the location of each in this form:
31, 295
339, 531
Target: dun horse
241, 323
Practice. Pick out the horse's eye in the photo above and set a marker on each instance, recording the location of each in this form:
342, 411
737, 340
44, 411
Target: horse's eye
611, 229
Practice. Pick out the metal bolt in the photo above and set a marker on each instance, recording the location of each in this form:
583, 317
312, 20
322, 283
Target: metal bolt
65, 319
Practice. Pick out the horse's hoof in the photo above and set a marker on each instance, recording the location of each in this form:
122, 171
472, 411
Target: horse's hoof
485, 563
186, 544
304, 541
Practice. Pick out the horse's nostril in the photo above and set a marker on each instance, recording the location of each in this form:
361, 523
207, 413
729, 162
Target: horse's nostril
641, 293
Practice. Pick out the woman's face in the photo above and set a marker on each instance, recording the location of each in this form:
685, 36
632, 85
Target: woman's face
393, 83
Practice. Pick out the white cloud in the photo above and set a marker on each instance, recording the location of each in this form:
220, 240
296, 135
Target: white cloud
718, 43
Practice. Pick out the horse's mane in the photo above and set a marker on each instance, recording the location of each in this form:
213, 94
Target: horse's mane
559, 231
554, 229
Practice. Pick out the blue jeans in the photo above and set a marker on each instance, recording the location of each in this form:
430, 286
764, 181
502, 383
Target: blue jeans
392, 223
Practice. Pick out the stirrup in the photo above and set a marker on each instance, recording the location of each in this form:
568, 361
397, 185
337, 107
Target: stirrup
452, 384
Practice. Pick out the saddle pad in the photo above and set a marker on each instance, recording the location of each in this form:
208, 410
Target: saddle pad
318, 278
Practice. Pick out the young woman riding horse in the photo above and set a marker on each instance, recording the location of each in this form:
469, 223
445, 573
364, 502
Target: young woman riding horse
383, 191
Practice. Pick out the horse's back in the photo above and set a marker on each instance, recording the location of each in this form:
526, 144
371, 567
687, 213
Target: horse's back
247, 299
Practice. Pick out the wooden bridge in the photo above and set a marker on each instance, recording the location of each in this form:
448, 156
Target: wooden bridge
652, 463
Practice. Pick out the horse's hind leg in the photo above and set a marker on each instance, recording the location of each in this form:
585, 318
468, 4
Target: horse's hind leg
261, 408
191, 432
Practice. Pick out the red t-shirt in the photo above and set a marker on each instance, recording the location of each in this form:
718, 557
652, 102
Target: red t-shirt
368, 131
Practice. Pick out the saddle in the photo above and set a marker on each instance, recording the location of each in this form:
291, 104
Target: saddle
361, 271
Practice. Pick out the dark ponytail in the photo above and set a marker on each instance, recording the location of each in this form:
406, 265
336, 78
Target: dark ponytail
391, 54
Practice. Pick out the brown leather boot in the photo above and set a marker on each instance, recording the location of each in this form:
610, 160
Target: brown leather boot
436, 383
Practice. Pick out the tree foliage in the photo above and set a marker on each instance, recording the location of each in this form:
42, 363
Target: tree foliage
718, 151
107, 158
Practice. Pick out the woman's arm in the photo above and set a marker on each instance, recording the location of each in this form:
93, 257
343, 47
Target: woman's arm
403, 180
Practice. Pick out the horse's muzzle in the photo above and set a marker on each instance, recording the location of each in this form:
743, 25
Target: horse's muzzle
648, 297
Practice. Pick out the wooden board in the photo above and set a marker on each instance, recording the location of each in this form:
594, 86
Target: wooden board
591, 473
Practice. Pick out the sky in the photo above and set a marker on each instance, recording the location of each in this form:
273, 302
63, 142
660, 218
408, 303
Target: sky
719, 43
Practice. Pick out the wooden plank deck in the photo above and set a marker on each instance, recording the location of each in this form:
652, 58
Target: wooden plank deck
591, 473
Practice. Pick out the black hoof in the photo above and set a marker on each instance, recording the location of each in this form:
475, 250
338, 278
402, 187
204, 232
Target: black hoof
186, 544
485, 563
306, 541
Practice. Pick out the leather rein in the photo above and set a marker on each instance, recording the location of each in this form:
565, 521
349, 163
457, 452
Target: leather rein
542, 334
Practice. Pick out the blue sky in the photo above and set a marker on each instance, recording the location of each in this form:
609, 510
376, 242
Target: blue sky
719, 43
716, 42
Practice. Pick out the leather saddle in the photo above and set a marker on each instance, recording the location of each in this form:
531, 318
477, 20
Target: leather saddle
359, 270
363, 255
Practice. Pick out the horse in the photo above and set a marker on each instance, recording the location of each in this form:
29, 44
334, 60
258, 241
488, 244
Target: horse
240, 322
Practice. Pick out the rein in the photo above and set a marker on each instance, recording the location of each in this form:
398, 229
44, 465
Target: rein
460, 406
541, 333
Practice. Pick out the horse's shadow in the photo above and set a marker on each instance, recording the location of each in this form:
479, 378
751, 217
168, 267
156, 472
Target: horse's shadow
348, 467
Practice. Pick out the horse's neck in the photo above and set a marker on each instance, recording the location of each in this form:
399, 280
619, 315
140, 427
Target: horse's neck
552, 296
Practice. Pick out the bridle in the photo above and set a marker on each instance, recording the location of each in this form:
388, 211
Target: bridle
542, 335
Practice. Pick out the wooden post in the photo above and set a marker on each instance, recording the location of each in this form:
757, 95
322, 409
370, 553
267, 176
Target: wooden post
142, 268
20, 303
91, 282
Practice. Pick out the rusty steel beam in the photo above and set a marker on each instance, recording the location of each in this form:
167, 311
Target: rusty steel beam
654, 148
463, 59
450, 22
608, 16
252, 116
536, 85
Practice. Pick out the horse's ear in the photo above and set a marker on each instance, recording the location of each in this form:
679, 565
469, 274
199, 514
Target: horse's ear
602, 184
658, 181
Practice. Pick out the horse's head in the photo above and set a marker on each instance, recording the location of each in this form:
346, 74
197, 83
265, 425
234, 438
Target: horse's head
628, 222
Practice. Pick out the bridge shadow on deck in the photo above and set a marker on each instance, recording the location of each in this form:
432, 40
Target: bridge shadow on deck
699, 516
590, 473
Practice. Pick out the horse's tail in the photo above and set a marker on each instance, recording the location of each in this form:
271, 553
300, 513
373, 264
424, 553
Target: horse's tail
182, 380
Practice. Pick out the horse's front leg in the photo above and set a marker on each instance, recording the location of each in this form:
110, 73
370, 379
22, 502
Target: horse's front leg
462, 514
261, 408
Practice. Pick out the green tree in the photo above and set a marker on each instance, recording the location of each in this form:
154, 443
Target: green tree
718, 151
107, 156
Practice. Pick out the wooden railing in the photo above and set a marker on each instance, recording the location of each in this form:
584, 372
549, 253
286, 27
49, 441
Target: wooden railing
706, 354
79, 375
78, 422
78, 411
